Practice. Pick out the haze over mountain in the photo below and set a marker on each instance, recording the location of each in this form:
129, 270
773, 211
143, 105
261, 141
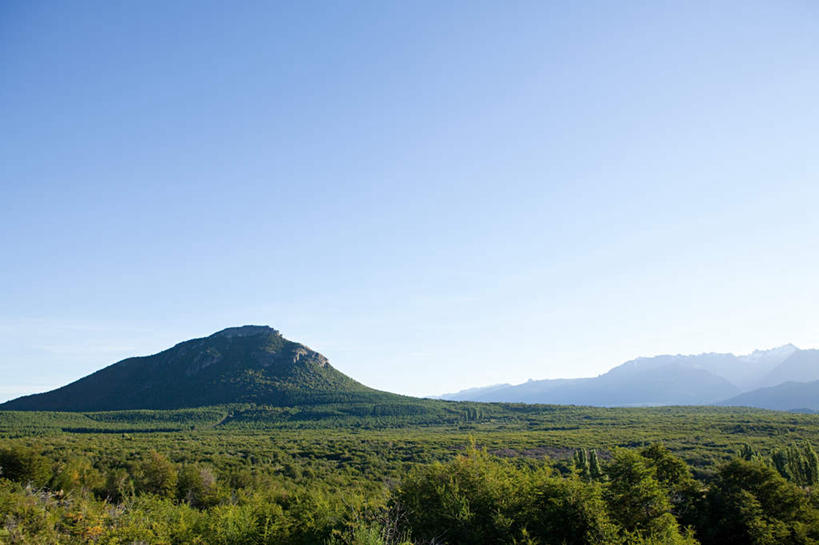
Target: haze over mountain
788, 396
668, 380
248, 364
256, 364
746, 370
802, 366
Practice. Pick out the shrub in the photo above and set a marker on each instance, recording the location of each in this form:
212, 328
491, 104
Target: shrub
25, 466
156, 474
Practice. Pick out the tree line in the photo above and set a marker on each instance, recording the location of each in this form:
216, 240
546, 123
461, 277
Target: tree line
644, 496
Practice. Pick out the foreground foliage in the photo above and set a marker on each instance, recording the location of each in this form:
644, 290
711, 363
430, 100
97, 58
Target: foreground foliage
553, 476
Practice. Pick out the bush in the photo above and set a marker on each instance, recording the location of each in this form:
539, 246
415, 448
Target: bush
25, 466
197, 486
156, 475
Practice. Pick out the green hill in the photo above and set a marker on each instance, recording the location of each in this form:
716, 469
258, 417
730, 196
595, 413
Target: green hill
249, 364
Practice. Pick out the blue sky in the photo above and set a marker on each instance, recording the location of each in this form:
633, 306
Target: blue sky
435, 195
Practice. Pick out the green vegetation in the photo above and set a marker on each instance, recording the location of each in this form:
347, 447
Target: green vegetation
409, 471
249, 364
283, 449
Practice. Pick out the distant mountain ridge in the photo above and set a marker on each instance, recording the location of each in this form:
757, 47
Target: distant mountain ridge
248, 364
801, 366
257, 365
700, 379
788, 396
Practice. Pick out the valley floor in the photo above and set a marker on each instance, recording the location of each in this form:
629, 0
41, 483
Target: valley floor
336, 472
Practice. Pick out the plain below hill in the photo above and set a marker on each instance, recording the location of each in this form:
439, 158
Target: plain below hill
248, 364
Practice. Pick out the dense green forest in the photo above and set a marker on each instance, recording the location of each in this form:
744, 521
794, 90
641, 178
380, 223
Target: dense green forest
414, 471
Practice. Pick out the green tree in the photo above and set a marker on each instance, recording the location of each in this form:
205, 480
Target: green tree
639, 502
580, 463
570, 512
76, 474
118, 485
156, 474
685, 494
586, 464
798, 464
751, 504
668, 469
197, 486
25, 466
595, 470
749, 454
472, 499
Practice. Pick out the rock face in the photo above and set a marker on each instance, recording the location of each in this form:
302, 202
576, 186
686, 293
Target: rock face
248, 364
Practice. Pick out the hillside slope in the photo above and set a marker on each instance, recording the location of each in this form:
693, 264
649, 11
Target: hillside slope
783, 397
249, 364
801, 366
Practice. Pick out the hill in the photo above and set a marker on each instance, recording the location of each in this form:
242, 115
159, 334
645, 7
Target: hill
249, 364
789, 396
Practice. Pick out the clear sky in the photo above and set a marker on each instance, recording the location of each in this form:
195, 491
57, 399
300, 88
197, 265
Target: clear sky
435, 195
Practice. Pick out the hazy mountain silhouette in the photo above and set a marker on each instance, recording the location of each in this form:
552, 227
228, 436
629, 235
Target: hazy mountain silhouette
801, 366
662, 380
639, 384
788, 396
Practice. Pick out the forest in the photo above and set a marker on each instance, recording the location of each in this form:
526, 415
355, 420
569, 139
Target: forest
420, 472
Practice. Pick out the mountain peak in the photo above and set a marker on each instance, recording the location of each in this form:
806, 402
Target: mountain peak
777, 354
245, 331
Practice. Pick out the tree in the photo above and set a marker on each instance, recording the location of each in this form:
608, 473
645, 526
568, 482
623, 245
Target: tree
668, 469
570, 512
638, 501
25, 466
674, 475
748, 453
587, 464
76, 474
797, 464
580, 463
472, 499
156, 475
752, 504
595, 470
118, 485
197, 486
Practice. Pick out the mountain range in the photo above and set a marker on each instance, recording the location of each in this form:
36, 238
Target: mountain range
780, 378
256, 364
